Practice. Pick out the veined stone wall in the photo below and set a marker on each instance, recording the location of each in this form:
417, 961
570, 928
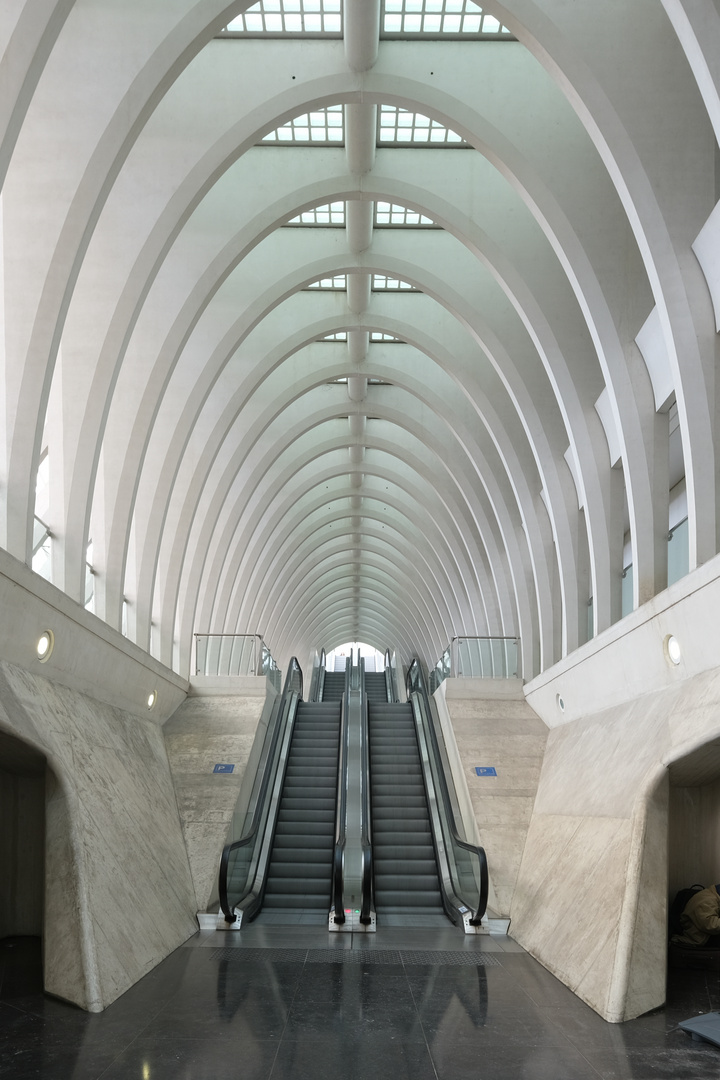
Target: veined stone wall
119, 895
493, 725
118, 892
591, 896
216, 724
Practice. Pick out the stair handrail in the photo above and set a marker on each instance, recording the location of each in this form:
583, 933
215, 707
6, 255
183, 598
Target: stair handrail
417, 693
367, 887
282, 717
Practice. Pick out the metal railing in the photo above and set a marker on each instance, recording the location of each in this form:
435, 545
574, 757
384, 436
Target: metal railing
234, 654
472, 657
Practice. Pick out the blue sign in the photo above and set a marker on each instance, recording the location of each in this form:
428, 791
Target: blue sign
486, 770
224, 768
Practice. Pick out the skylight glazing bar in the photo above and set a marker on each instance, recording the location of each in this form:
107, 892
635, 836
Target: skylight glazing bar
383, 283
440, 19
401, 127
338, 283
318, 128
288, 18
391, 216
330, 215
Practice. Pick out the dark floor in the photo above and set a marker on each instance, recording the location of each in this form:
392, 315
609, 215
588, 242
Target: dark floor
300, 1003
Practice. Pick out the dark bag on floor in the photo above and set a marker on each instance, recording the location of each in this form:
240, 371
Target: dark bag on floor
678, 906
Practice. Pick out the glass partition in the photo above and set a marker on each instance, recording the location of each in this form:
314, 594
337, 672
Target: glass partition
478, 658
246, 851
234, 654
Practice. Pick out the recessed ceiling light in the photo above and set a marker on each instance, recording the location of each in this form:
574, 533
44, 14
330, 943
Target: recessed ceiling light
45, 645
560, 702
151, 699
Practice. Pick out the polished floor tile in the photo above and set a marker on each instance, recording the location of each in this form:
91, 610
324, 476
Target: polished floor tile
280, 1003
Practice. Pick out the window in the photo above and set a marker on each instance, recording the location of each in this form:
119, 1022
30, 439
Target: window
289, 18
390, 215
317, 128
401, 127
439, 18
332, 214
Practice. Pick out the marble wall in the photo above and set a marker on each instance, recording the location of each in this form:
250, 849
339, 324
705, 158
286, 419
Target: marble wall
591, 897
493, 725
214, 725
118, 891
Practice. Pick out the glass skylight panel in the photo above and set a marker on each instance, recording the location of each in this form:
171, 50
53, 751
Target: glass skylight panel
377, 336
320, 127
391, 215
290, 17
381, 283
401, 126
341, 335
329, 214
337, 283
436, 18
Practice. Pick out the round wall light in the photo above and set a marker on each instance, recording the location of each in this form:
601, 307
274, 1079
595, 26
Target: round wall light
151, 699
44, 646
672, 649
559, 701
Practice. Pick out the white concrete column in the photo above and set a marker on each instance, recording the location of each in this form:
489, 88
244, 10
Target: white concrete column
361, 31
359, 224
358, 293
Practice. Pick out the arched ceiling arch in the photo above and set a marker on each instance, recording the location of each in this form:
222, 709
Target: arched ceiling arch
163, 345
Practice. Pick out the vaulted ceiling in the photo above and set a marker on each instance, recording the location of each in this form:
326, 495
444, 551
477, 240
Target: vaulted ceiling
475, 397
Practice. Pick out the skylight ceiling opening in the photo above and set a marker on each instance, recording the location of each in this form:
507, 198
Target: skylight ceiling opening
329, 215
318, 128
440, 18
401, 127
392, 216
338, 283
288, 18
383, 283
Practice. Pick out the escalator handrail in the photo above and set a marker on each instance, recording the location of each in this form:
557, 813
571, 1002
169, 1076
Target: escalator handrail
320, 688
293, 685
318, 678
338, 899
367, 897
416, 684
389, 689
338, 870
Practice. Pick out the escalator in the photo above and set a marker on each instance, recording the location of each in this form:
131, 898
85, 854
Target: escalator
333, 686
405, 869
351, 788
375, 687
300, 867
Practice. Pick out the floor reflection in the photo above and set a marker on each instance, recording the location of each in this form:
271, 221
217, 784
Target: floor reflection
363, 1014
